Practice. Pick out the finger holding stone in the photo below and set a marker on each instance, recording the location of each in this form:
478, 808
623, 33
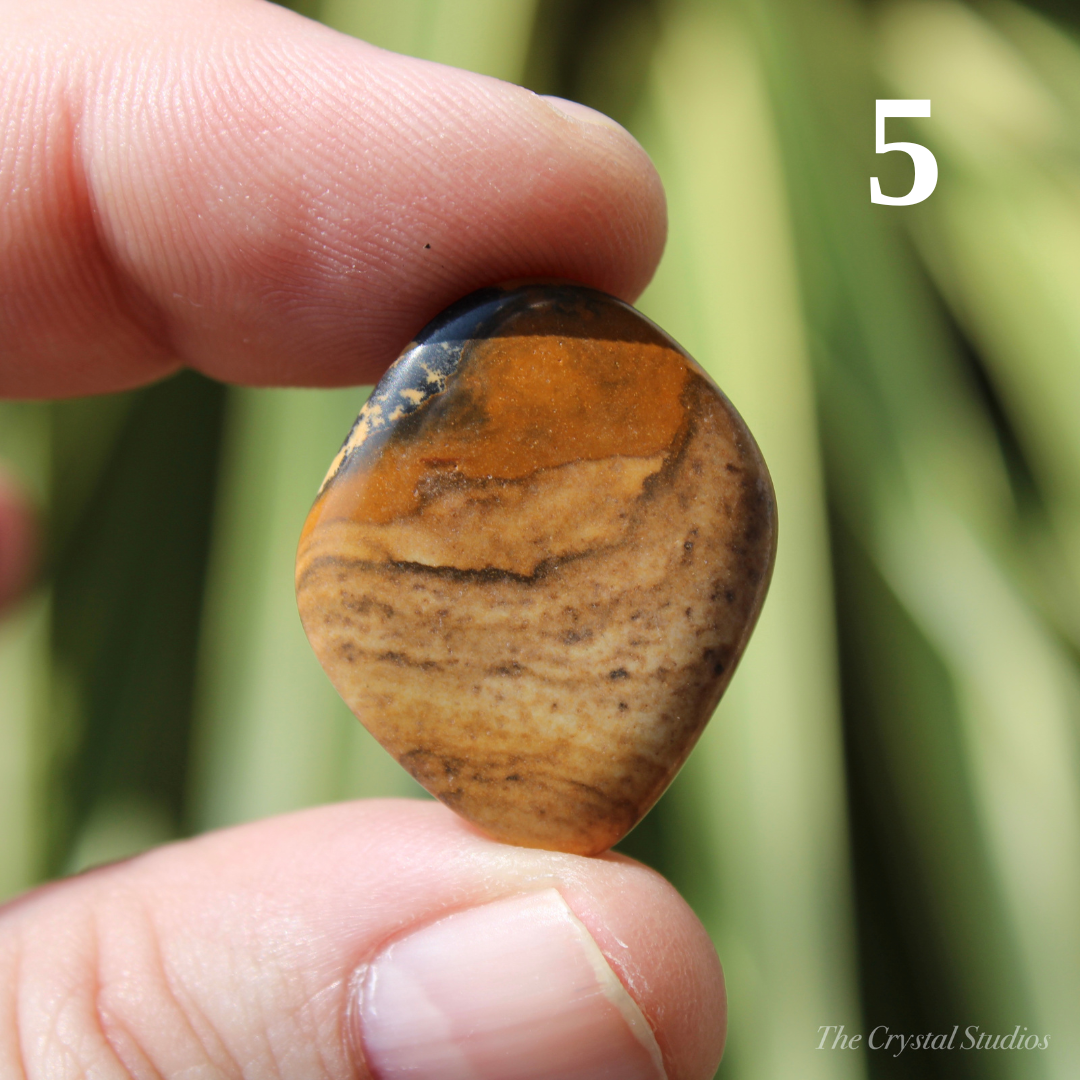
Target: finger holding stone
226, 185
379, 939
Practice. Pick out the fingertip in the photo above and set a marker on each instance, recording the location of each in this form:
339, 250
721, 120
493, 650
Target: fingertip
636, 207
376, 939
274, 203
437, 868
437, 182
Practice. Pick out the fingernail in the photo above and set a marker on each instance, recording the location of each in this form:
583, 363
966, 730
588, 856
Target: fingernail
574, 110
512, 990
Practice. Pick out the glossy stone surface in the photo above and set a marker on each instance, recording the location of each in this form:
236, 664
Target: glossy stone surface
536, 560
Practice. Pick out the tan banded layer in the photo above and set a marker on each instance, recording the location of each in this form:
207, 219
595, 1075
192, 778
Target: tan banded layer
541, 650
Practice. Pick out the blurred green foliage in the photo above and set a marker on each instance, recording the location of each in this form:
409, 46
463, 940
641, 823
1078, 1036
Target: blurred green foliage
882, 825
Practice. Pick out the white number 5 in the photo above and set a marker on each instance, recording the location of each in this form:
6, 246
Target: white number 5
925, 162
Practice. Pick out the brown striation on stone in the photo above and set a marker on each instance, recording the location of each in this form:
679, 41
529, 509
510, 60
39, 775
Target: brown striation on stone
533, 585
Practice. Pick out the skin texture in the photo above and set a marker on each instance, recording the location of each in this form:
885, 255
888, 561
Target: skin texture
235, 953
170, 196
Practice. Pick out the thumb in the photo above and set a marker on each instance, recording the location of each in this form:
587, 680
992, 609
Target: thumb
376, 940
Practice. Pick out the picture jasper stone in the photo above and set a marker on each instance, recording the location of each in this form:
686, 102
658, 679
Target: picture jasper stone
536, 560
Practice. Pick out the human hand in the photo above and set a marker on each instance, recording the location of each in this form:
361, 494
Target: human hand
230, 187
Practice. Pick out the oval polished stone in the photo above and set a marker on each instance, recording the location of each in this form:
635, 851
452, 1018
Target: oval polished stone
536, 560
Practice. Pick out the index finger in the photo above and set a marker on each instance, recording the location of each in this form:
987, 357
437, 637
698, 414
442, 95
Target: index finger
228, 186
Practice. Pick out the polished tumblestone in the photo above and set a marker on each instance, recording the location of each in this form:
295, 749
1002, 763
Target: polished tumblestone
536, 560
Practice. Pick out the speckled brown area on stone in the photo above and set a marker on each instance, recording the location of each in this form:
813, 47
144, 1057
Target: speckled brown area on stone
533, 586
